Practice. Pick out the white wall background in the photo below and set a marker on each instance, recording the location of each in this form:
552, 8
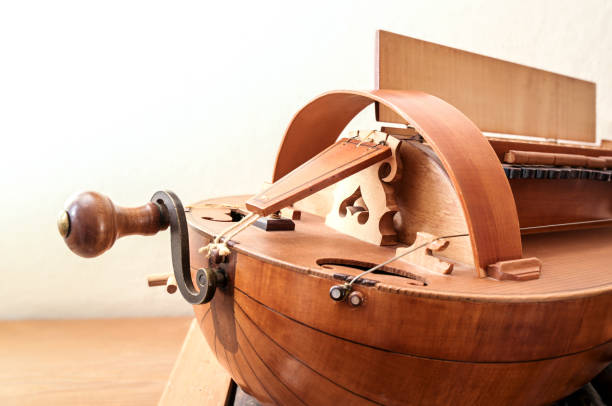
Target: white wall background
129, 97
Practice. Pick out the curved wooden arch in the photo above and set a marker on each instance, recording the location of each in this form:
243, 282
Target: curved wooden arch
471, 163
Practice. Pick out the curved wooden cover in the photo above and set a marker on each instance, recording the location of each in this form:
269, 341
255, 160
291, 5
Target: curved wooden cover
467, 156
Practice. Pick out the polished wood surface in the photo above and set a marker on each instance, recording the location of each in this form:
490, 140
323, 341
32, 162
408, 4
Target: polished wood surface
278, 333
551, 158
574, 287
88, 362
467, 157
546, 202
95, 223
482, 315
541, 202
499, 96
427, 202
364, 204
338, 161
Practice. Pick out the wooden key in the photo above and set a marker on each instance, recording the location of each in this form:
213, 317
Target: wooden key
338, 161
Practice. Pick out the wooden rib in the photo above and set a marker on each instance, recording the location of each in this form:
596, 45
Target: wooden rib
261, 392
340, 160
413, 380
283, 395
477, 176
547, 329
578, 326
230, 361
210, 333
278, 358
499, 96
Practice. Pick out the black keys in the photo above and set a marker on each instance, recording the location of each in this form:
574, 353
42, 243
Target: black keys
549, 172
512, 172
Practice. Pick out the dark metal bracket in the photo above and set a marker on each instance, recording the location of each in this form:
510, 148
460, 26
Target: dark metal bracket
173, 213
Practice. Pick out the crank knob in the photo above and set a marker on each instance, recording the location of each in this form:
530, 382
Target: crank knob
91, 223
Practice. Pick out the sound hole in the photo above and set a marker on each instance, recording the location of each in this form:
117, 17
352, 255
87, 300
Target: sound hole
362, 266
233, 216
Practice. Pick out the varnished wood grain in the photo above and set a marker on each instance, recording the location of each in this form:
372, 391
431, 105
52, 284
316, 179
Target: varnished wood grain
364, 203
541, 202
575, 263
88, 362
400, 347
336, 162
550, 158
428, 202
388, 378
546, 320
499, 96
96, 222
467, 157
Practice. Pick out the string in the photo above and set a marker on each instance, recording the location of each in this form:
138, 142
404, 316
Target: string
245, 219
243, 227
395, 258
232, 231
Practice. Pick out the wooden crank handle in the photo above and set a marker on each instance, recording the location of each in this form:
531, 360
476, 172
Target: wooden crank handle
91, 222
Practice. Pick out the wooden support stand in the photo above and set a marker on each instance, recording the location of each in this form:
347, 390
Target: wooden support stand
198, 379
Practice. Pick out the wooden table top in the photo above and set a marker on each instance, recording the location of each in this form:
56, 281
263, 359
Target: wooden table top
93, 362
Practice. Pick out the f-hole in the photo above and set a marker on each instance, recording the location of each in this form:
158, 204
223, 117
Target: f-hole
355, 205
361, 266
235, 216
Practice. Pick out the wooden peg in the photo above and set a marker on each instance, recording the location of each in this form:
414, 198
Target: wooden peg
423, 257
164, 279
171, 286
158, 279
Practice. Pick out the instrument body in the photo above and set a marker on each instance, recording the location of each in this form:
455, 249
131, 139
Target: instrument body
414, 335
418, 337
465, 340
500, 285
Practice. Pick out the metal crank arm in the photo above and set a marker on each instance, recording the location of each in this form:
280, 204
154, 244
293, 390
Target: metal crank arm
206, 279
